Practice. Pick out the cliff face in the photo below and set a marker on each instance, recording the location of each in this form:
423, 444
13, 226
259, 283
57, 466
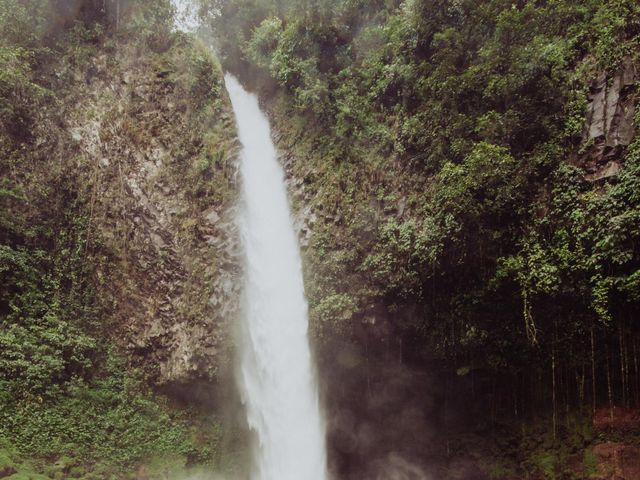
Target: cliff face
389, 400
163, 185
149, 137
609, 126
118, 251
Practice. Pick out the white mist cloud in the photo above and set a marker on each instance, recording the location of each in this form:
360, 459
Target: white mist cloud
186, 18
397, 468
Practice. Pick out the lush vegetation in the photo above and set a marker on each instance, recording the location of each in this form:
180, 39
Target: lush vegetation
72, 404
441, 142
441, 145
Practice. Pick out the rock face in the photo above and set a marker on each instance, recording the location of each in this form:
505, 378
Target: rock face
609, 126
160, 167
304, 217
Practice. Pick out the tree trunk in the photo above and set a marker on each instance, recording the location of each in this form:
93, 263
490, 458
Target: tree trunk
593, 371
622, 368
580, 376
635, 368
609, 386
515, 396
567, 393
553, 389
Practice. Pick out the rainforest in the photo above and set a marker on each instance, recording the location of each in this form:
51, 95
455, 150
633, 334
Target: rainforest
320, 239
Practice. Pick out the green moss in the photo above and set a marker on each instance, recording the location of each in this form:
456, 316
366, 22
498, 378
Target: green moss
499, 471
27, 475
6, 461
590, 463
546, 463
168, 466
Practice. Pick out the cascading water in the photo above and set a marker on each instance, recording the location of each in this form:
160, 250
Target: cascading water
276, 373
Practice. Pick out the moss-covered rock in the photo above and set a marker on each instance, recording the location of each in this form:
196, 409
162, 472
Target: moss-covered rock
7, 465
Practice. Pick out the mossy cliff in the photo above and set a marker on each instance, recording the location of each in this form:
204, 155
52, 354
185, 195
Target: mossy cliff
466, 177
118, 259
154, 137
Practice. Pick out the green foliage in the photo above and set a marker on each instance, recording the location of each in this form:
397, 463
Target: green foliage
152, 20
42, 338
22, 26
590, 463
24, 22
334, 312
113, 421
64, 390
583, 248
435, 139
71, 405
546, 463
264, 41
615, 21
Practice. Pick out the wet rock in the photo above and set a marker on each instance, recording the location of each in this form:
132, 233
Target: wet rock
145, 216
7, 471
609, 125
402, 205
211, 216
157, 240
609, 170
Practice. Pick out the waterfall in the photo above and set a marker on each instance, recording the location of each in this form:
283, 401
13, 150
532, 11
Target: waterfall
277, 376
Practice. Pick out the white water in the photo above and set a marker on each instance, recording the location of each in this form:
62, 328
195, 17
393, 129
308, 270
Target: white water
276, 373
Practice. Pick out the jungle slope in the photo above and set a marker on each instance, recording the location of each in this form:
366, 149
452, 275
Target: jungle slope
467, 177
118, 258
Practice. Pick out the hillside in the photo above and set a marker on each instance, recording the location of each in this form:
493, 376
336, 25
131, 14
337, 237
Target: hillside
466, 175
118, 259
